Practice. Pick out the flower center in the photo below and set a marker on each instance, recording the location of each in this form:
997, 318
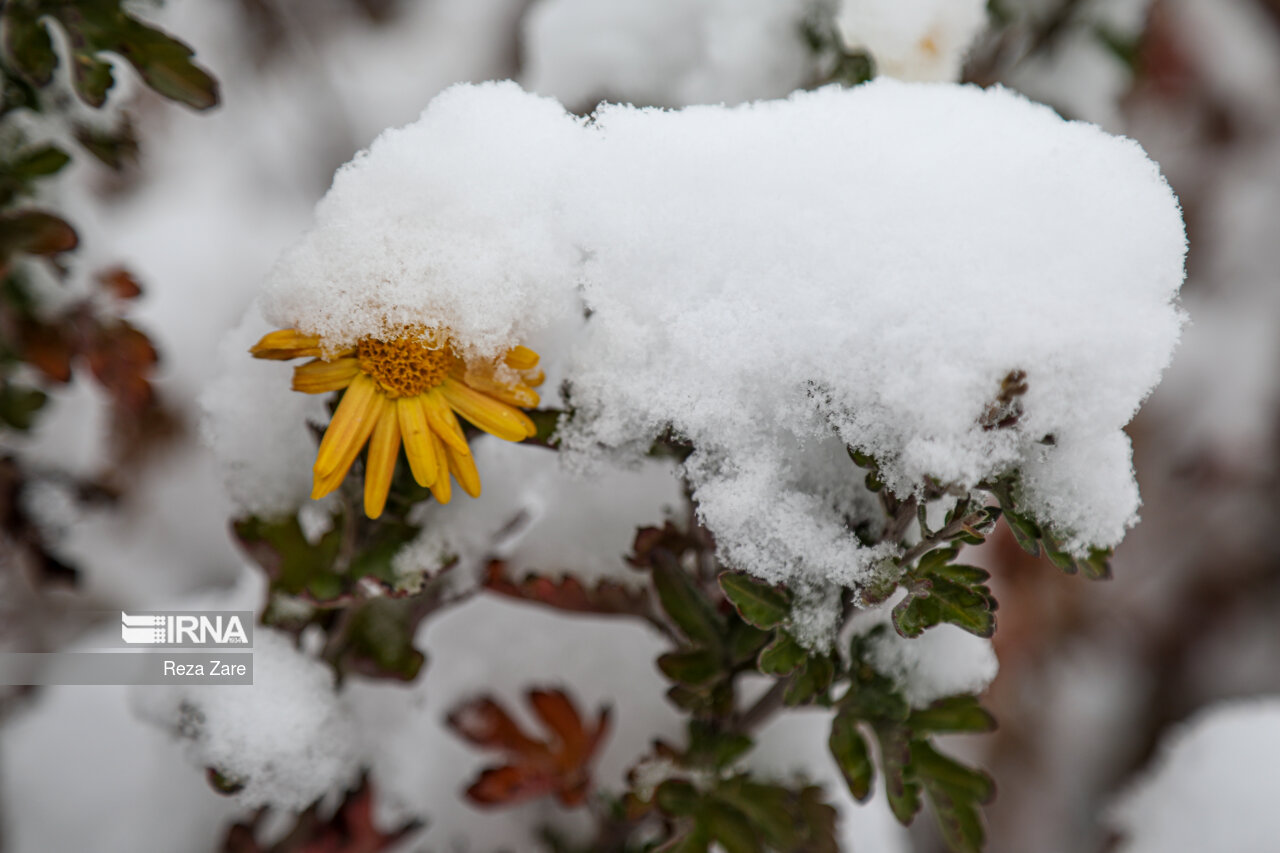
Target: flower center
406, 366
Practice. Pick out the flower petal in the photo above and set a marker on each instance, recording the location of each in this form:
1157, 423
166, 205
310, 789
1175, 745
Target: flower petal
417, 439
284, 344
352, 422
380, 467
441, 489
464, 471
511, 394
321, 377
521, 358
324, 483
443, 422
492, 416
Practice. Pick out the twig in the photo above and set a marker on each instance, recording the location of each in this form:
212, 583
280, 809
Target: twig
764, 708
925, 545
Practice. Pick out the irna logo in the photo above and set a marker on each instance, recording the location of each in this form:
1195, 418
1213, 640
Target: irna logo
185, 629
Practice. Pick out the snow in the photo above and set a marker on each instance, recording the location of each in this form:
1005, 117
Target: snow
288, 738
1212, 787
80, 773
864, 305
666, 52
916, 40
943, 661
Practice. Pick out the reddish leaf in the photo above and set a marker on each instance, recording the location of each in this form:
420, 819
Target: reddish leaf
567, 593
559, 766
121, 359
35, 233
48, 350
120, 283
511, 783
486, 724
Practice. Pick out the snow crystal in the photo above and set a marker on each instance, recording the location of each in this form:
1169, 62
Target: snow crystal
288, 738
1211, 788
666, 52
919, 40
772, 283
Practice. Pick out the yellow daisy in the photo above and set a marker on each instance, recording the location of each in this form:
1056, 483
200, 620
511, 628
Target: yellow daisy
407, 389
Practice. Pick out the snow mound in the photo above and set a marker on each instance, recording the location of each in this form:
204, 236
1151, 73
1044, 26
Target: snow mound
774, 283
1211, 788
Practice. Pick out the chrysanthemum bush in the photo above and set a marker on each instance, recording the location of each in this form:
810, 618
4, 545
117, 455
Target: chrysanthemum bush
817, 347
600, 470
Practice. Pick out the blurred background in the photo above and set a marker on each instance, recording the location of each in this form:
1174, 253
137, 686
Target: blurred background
115, 501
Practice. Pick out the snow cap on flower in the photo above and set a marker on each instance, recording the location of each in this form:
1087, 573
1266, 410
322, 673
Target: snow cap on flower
775, 283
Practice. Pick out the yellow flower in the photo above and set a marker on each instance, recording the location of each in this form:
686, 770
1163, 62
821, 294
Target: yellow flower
407, 389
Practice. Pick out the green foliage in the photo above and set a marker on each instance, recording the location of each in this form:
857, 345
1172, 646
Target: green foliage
19, 405
940, 591
782, 656
94, 28
1036, 539
743, 815
760, 604
913, 768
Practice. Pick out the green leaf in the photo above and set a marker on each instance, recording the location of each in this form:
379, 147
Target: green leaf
696, 667
1057, 555
961, 713
677, 798
769, 808
684, 602
730, 827
114, 148
759, 603
939, 591
28, 44
1096, 566
39, 162
97, 27
852, 755
875, 698
381, 639
811, 682
19, 405
901, 786
293, 564
854, 69
1026, 531
91, 77
818, 818
696, 840
955, 792
745, 641
713, 747
783, 656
